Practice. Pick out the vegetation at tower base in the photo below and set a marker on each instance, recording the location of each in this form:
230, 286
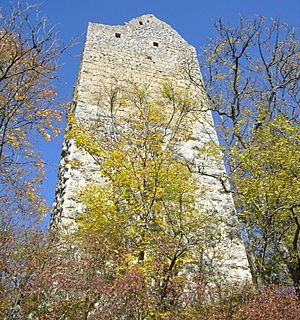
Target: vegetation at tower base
252, 79
146, 208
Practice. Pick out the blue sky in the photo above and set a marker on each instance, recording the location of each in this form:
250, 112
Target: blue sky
193, 20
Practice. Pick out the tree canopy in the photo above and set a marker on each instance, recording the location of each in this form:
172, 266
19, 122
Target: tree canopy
146, 207
252, 77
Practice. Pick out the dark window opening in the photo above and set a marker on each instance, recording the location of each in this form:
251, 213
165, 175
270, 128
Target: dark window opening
118, 35
155, 44
141, 23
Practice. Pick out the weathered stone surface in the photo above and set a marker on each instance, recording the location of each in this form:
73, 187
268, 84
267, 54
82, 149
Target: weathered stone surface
148, 51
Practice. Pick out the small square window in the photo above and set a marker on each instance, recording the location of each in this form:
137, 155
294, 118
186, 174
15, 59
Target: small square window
155, 44
141, 23
118, 35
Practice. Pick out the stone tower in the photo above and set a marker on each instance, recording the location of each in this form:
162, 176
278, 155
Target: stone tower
147, 50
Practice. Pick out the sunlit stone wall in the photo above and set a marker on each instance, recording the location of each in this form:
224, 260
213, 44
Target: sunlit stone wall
148, 51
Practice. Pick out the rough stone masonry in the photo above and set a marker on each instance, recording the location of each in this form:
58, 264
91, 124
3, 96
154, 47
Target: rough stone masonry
146, 50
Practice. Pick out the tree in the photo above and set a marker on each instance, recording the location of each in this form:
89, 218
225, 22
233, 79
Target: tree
29, 54
146, 206
29, 110
267, 180
252, 80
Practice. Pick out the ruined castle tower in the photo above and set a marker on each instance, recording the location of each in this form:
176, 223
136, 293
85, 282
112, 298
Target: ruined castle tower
146, 50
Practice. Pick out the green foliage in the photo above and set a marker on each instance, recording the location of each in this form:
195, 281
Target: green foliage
146, 205
252, 78
267, 179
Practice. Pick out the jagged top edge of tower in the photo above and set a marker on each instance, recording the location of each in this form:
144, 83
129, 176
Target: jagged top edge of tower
144, 17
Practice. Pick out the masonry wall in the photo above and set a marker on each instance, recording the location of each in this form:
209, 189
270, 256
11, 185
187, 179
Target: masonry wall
147, 50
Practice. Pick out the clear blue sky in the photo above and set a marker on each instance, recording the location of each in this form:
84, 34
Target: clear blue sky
191, 18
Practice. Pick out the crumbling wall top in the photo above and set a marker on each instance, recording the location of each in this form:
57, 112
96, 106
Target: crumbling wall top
145, 34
